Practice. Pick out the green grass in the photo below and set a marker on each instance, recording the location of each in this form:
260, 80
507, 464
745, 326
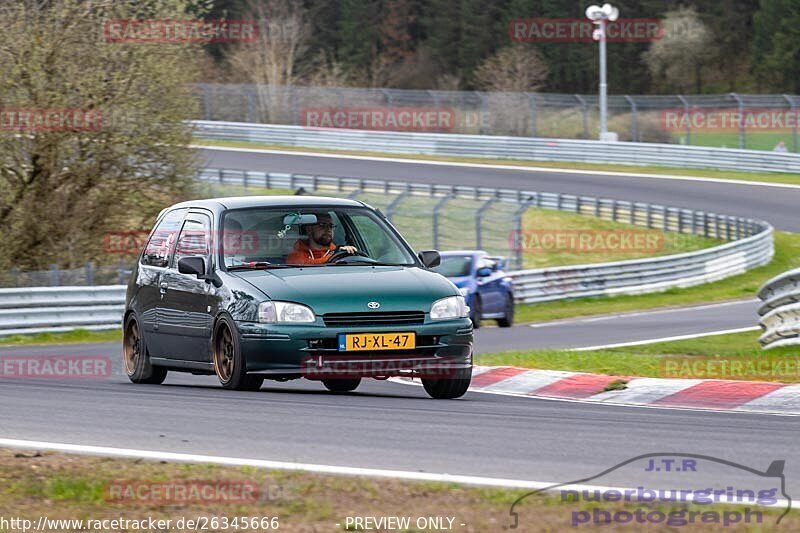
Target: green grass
78, 336
767, 177
648, 360
787, 257
754, 140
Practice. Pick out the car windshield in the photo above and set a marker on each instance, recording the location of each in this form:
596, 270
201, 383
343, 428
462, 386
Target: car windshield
453, 266
270, 237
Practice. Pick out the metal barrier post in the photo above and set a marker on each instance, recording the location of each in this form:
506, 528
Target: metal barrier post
390, 209
438, 207
634, 119
479, 221
742, 131
532, 106
54, 275
685, 103
793, 107
585, 113
518, 214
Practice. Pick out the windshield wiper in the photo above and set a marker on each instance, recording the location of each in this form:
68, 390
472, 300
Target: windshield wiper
259, 265
366, 261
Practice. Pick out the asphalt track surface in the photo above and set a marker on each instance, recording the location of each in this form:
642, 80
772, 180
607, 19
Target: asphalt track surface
621, 328
382, 425
777, 205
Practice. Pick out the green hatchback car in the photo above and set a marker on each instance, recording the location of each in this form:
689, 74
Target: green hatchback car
288, 287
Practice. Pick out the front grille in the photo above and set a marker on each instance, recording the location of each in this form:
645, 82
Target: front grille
381, 318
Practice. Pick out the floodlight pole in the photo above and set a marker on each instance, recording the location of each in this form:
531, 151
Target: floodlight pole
603, 83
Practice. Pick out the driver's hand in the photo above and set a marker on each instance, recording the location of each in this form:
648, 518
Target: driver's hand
348, 249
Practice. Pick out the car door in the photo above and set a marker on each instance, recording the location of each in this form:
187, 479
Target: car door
152, 263
490, 287
184, 313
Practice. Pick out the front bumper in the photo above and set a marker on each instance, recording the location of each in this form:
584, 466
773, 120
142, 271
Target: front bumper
311, 350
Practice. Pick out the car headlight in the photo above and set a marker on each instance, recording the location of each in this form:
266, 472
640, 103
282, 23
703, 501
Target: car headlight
450, 307
284, 313
464, 291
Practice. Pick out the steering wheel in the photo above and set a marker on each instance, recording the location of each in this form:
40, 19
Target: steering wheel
341, 254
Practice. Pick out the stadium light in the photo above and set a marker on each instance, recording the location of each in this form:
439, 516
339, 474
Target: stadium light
601, 16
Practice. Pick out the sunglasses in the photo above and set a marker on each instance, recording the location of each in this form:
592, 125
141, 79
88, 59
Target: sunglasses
326, 225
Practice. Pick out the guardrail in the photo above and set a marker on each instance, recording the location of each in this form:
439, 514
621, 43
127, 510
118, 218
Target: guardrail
40, 309
490, 146
51, 309
780, 312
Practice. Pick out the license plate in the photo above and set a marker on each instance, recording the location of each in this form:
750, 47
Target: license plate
353, 342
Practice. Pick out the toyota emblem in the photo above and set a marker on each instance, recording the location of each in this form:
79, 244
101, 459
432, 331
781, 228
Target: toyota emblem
373, 305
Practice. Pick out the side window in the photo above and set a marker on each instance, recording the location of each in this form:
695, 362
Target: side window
194, 239
376, 240
158, 248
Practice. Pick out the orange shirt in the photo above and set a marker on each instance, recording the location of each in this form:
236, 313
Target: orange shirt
304, 255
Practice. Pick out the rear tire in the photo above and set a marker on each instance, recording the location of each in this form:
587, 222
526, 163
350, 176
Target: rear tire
508, 320
448, 388
229, 364
341, 385
135, 359
476, 314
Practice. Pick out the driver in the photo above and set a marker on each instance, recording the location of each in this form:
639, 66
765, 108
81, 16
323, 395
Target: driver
319, 247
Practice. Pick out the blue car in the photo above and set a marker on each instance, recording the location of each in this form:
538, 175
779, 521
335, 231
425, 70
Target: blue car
484, 284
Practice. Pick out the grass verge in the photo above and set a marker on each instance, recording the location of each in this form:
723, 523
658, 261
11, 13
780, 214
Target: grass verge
715, 357
766, 177
78, 336
60, 486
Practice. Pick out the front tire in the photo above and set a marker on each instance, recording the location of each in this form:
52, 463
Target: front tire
342, 385
135, 359
477, 312
508, 319
229, 364
448, 388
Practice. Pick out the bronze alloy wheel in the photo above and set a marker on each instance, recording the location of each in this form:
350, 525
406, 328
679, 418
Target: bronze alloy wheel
135, 358
132, 347
224, 353
229, 364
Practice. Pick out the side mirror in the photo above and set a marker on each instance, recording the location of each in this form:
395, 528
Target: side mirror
430, 258
484, 272
192, 265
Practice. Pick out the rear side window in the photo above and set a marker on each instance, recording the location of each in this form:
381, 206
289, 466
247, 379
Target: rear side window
162, 240
195, 239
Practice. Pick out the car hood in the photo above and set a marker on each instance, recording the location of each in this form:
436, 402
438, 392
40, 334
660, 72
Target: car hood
342, 289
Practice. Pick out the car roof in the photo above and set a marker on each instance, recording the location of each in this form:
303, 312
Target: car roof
241, 202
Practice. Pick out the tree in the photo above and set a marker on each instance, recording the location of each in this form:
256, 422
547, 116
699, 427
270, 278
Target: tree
120, 156
776, 45
681, 59
271, 62
516, 68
